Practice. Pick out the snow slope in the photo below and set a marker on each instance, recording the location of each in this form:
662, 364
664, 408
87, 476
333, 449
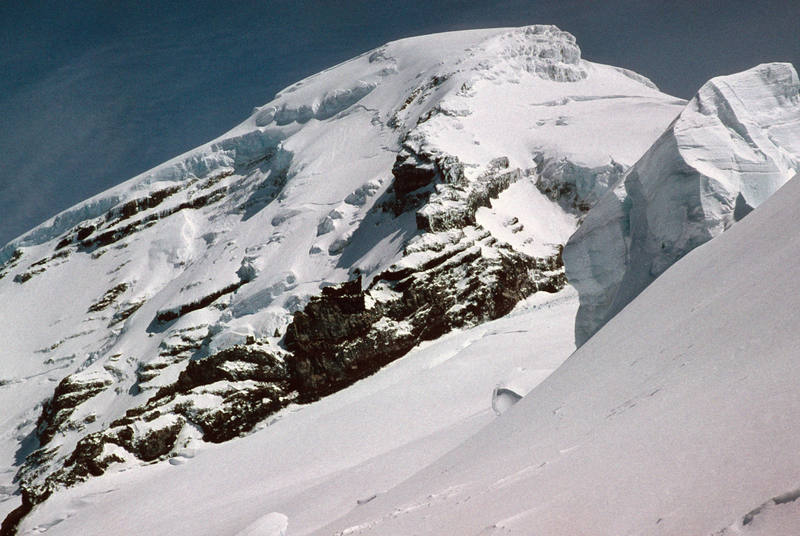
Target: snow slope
737, 141
107, 305
317, 462
678, 417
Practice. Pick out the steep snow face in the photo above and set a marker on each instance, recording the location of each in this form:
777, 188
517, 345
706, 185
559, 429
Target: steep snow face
736, 142
414, 167
678, 417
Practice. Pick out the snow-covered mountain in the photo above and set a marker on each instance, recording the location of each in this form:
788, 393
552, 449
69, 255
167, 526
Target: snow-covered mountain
435, 178
182, 352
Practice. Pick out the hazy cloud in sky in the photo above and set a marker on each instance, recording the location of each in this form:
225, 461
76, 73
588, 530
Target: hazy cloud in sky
95, 92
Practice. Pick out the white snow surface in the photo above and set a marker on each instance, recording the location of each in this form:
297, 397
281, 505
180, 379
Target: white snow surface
736, 142
318, 462
678, 417
276, 204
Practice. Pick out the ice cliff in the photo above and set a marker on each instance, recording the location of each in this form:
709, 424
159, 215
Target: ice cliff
736, 142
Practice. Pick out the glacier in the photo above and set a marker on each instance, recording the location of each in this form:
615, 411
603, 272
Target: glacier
369, 209
736, 142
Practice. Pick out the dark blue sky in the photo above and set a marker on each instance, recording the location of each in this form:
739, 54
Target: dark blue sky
94, 92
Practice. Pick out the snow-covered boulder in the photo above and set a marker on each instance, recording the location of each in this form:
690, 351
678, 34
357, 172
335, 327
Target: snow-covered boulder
513, 387
736, 142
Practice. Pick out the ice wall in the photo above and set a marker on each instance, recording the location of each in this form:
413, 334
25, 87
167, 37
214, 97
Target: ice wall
736, 142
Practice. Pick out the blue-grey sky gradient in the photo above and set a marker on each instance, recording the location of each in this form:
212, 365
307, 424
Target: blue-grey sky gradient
94, 92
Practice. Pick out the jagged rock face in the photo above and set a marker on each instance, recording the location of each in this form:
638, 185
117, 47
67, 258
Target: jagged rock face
454, 275
454, 203
70, 393
349, 333
412, 171
216, 398
736, 142
438, 181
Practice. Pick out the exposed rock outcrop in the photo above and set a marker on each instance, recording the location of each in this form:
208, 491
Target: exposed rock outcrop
70, 393
349, 333
108, 298
215, 399
414, 169
455, 274
454, 203
40, 266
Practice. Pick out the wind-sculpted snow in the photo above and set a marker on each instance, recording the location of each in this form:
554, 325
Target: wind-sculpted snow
636, 76
329, 105
272, 524
415, 168
545, 50
736, 143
